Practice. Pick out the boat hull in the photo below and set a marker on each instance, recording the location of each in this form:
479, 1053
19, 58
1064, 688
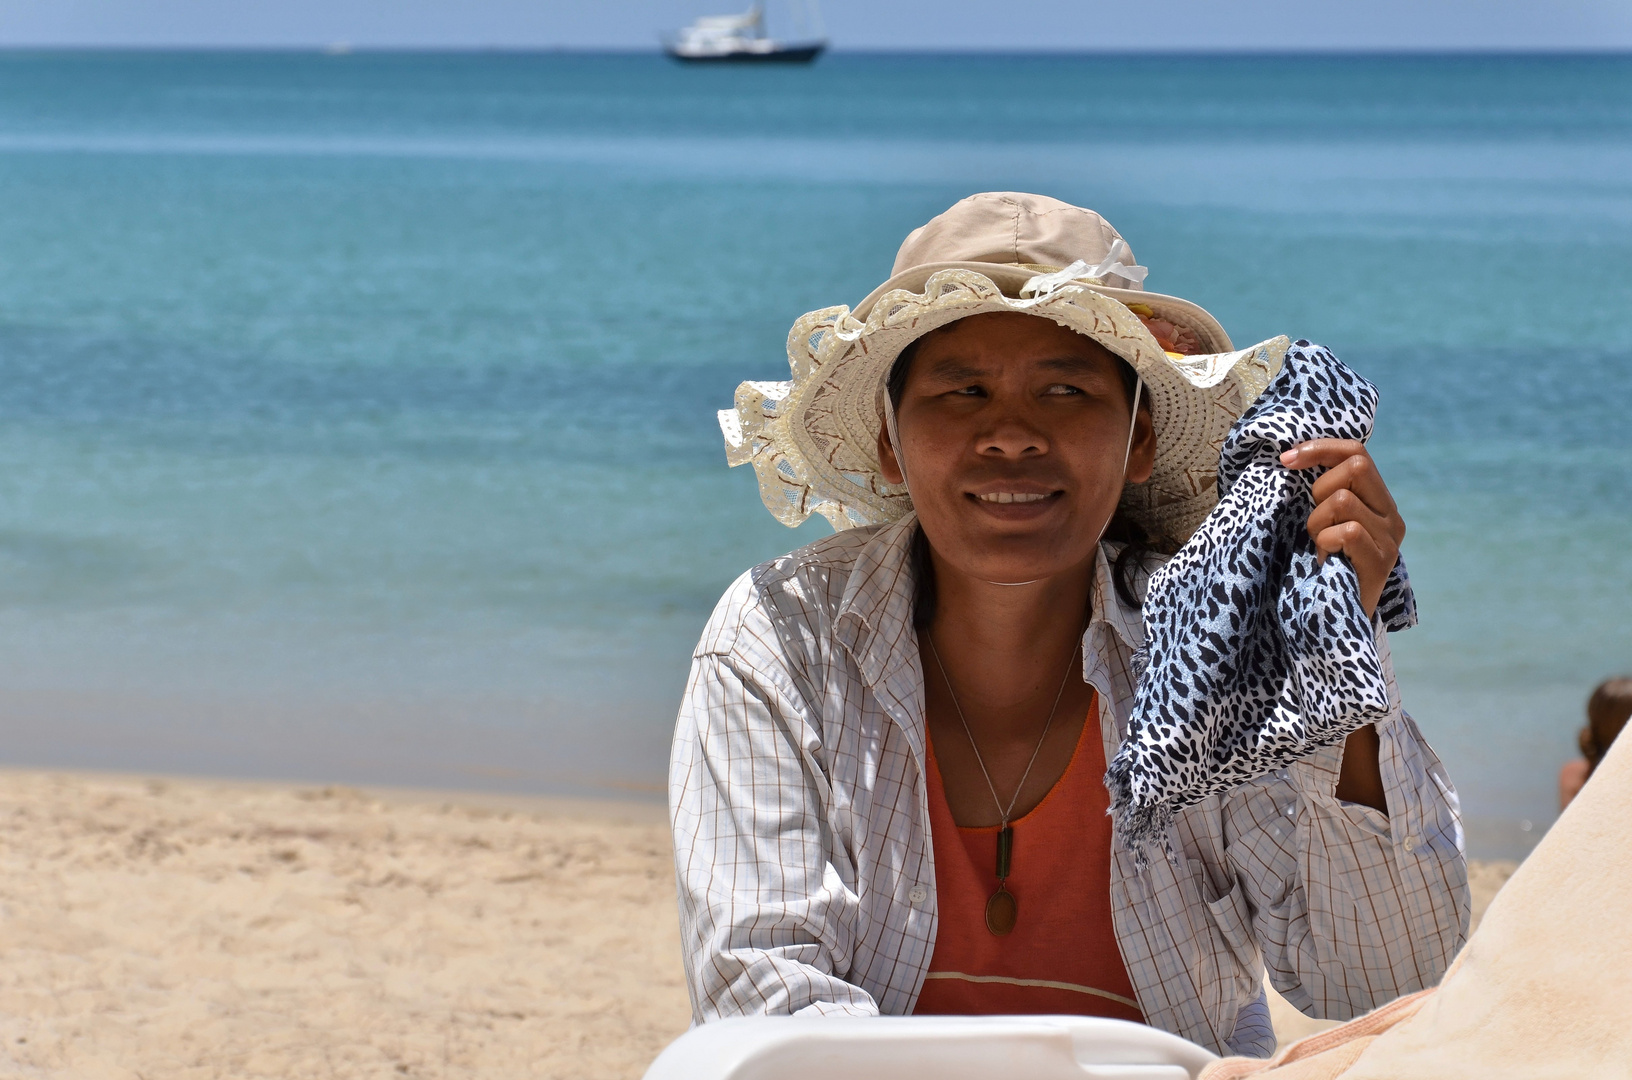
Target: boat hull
793, 54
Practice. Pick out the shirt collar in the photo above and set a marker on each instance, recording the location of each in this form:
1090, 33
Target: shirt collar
874, 617
1109, 611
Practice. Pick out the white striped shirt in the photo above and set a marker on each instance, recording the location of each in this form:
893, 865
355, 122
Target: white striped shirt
806, 872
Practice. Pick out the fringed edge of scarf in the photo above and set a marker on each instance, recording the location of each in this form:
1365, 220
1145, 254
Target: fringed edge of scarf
1141, 827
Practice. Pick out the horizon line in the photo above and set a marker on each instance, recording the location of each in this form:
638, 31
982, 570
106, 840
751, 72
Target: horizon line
339, 49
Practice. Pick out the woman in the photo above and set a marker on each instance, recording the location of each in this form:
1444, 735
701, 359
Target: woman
886, 783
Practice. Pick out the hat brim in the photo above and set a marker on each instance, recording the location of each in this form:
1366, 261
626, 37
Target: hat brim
813, 441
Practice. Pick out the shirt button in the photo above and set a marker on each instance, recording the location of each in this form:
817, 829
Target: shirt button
1409, 844
918, 894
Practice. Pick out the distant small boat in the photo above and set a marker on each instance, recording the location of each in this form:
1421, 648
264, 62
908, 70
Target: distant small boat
740, 39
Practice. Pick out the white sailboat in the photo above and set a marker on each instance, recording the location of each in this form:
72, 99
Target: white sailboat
742, 39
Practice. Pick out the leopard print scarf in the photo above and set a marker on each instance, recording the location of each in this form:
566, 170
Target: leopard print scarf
1254, 656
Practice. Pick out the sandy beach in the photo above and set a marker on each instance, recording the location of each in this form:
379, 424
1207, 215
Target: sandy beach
191, 929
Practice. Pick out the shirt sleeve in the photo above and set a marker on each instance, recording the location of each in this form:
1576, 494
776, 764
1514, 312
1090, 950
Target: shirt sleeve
1352, 907
766, 908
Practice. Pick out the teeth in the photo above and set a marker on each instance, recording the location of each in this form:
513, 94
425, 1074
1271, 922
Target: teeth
1011, 497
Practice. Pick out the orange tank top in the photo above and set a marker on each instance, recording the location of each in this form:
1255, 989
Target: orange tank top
1062, 956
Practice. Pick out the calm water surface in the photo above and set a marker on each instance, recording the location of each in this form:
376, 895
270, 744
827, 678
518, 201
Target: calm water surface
356, 413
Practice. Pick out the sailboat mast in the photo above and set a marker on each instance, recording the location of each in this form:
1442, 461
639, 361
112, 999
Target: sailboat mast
817, 31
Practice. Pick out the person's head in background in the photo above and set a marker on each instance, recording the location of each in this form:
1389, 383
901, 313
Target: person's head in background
1608, 709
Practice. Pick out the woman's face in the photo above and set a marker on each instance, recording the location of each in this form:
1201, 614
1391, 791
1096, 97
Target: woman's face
1013, 429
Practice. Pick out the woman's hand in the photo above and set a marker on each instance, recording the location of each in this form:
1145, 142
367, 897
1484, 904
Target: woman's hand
1354, 513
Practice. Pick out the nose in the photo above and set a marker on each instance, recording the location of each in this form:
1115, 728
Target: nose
1010, 435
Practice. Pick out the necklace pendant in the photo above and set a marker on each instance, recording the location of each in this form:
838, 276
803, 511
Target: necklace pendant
1002, 909
1002, 912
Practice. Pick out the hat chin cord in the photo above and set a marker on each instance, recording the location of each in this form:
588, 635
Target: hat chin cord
1127, 453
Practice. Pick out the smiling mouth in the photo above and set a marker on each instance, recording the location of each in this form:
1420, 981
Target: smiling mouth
1012, 497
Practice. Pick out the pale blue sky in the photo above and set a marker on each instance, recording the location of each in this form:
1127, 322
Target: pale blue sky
860, 24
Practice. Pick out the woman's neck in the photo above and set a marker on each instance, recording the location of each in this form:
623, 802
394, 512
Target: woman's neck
1005, 646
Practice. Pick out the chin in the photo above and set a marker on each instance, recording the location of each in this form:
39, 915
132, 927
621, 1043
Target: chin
1014, 566
1009, 551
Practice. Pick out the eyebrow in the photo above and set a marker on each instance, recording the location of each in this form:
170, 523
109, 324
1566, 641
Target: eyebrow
954, 370
1072, 365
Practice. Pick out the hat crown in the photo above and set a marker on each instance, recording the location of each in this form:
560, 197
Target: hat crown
1010, 227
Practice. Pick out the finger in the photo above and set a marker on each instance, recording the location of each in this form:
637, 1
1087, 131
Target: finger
1343, 505
1306, 455
1351, 539
1370, 564
1348, 464
1358, 473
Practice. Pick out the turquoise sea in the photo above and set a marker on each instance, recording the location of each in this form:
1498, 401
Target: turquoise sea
357, 412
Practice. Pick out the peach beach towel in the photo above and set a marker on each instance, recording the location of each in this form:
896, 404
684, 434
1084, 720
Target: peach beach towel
1542, 989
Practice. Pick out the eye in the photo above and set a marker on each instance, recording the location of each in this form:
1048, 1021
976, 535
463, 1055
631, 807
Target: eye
967, 391
1061, 388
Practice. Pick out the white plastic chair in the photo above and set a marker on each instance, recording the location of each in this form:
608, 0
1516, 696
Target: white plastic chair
942, 1047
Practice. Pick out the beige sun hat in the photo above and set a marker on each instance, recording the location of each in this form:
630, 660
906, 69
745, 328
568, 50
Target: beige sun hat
813, 441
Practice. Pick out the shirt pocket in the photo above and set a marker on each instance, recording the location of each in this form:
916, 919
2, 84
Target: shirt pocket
1222, 934
1231, 920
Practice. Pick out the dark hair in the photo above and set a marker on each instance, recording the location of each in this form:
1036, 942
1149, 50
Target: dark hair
1137, 546
1608, 709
